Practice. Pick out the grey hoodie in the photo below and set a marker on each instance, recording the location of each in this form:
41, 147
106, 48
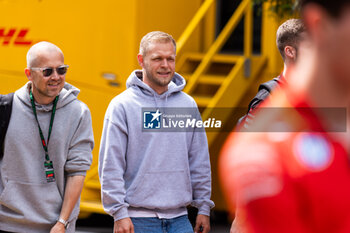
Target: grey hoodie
157, 171
27, 202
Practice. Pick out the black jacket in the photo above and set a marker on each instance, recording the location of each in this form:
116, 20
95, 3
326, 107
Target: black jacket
263, 92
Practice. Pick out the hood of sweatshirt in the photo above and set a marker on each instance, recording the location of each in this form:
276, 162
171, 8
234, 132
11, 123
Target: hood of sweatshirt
177, 84
67, 95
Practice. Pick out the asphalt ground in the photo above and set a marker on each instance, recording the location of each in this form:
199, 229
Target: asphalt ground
214, 229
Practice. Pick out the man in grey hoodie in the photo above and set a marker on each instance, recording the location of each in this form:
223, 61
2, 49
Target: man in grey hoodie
148, 178
47, 149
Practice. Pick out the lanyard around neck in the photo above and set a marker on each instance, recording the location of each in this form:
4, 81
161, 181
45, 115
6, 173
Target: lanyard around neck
45, 144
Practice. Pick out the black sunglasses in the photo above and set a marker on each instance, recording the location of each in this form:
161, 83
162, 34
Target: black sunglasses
47, 71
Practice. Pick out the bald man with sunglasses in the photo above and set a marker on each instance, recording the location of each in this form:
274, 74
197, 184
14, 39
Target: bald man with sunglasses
47, 149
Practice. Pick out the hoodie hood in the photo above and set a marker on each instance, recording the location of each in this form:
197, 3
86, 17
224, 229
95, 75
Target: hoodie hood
177, 84
67, 95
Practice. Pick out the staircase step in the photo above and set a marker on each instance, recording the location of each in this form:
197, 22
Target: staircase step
208, 79
221, 64
212, 79
219, 58
202, 101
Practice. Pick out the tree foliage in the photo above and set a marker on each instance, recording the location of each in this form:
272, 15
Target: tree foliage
281, 8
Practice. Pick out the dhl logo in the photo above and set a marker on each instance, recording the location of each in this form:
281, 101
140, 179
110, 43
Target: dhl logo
14, 36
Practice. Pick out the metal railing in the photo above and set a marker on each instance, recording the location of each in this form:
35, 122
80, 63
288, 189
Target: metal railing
193, 24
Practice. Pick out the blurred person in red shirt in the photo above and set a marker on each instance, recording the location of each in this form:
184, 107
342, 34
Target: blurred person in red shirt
291, 172
289, 37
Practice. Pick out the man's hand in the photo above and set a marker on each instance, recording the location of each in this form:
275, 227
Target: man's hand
202, 224
58, 228
123, 226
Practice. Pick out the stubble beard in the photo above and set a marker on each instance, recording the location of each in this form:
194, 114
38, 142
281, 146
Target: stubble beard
163, 82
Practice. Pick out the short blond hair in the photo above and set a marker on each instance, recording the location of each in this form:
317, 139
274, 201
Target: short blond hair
155, 36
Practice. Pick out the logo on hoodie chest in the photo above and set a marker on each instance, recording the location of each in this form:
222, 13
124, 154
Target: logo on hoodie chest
176, 120
152, 119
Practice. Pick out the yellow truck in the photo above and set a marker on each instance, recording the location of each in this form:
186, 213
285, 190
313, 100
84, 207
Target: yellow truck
100, 41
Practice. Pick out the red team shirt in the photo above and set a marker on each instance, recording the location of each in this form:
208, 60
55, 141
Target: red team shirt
296, 180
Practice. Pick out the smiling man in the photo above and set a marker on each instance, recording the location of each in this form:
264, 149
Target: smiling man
149, 178
47, 149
